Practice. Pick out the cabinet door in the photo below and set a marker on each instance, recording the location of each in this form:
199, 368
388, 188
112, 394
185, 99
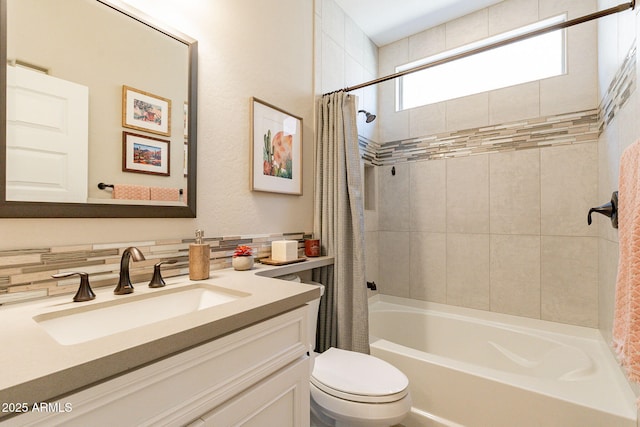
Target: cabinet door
280, 400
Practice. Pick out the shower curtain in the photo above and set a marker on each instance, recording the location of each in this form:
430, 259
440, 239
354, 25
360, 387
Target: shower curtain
339, 223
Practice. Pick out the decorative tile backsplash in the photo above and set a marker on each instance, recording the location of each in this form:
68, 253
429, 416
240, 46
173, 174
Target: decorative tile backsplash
26, 274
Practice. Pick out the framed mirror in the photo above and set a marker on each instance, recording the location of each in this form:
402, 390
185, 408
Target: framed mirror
99, 112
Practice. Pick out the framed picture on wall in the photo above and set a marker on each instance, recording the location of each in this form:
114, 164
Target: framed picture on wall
276, 149
144, 154
146, 111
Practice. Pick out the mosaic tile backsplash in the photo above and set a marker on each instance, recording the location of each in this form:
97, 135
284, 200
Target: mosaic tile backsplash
26, 274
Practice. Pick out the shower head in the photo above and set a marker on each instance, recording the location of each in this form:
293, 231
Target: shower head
370, 117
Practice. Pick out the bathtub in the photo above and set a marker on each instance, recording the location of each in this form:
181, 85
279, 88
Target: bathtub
474, 368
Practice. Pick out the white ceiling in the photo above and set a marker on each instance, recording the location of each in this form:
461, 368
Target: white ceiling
386, 21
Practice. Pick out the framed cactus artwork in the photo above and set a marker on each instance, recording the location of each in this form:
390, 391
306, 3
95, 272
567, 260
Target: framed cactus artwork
276, 149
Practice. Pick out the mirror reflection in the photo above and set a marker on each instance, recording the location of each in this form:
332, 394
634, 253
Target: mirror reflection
97, 107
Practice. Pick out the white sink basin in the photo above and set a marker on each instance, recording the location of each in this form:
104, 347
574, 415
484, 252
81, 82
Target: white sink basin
89, 322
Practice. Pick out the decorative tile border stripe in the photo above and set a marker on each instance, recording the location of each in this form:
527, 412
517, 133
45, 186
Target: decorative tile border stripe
622, 86
369, 151
570, 128
26, 274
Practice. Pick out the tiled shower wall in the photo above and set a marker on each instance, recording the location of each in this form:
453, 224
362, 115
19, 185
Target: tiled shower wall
504, 230
616, 35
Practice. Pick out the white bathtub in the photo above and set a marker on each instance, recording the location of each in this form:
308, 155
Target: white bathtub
475, 368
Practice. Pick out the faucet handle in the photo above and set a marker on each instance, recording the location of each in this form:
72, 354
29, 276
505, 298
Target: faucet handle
609, 209
157, 281
85, 293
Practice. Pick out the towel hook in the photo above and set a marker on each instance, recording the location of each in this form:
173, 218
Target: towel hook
608, 209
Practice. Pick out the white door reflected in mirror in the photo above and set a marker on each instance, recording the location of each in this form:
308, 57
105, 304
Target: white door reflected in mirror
47, 138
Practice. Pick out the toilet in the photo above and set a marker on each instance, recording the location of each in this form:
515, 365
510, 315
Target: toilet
351, 389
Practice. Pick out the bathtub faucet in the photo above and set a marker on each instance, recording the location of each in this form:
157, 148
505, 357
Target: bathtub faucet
372, 286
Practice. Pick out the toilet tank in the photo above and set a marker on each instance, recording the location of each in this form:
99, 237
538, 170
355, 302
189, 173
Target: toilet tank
314, 307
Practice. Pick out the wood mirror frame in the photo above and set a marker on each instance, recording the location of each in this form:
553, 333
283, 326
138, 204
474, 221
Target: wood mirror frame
15, 209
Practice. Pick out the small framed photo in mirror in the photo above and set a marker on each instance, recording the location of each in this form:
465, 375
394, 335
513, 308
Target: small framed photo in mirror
185, 165
146, 111
144, 154
185, 119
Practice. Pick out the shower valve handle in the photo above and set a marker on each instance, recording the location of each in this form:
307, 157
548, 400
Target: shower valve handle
608, 209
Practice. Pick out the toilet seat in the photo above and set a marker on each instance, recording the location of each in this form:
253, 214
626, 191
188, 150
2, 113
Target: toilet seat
358, 377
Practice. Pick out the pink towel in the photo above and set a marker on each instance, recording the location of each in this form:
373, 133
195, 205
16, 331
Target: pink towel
130, 192
166, 194
626, 322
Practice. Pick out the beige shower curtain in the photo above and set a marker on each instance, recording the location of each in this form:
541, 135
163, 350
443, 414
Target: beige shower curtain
339, 223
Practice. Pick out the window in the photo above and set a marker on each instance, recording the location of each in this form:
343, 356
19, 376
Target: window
528, 60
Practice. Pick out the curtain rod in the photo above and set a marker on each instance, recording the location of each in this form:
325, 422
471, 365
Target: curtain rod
554, 27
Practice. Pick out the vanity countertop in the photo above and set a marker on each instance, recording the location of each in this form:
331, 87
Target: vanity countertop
36, 368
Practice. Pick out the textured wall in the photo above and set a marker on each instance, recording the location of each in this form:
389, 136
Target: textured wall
245, 50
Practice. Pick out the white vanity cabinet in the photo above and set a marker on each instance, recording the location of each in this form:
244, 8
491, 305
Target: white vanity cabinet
257, 376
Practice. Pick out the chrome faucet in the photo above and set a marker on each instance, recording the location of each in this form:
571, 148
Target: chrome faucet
124, 284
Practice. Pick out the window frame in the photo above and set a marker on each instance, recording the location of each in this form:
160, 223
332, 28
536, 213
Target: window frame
539, 25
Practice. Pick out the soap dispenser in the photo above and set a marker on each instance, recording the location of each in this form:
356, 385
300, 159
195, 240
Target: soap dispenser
199, 260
